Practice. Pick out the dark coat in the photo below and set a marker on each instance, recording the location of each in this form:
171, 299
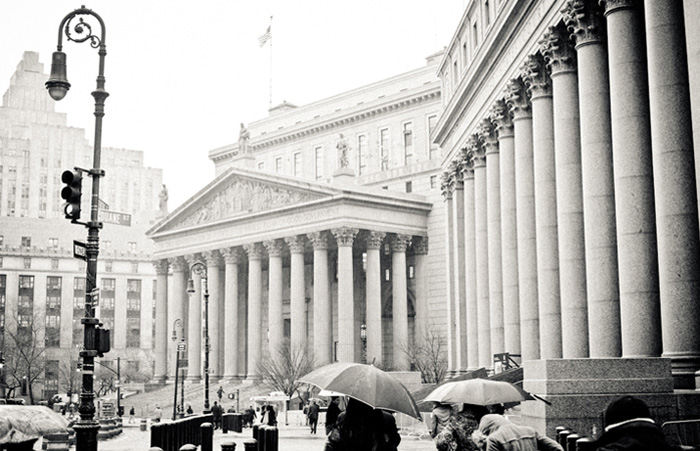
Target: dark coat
634, 436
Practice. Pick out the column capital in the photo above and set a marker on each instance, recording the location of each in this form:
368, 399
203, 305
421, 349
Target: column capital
374, 239
536, 76
400, 242
345, 236
254, 251
296, 244
420, 245
161, 266
477, 151
212, 258
192, 259
518, 99
177, 264
486, 131
558, 50
446, 185
466, 164
275, 248
585, 21
232, 255
502, 119
319, 240
612, 5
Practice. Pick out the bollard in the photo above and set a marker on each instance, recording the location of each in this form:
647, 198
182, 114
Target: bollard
585, 444
255, 431
237, 422
250, 444
271, 439
571, 442
207, 436
262, 435
188, 447
225, 422
144, 425
230, 446
561, 437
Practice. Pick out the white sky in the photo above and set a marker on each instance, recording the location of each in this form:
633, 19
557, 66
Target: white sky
182, 75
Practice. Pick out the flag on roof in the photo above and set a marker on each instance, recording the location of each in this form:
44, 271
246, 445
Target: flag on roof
263, 38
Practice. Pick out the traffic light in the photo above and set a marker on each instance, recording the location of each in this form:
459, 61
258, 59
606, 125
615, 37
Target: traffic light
72, 193
102, 338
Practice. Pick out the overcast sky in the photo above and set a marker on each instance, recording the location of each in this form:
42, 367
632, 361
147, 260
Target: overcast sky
182, 75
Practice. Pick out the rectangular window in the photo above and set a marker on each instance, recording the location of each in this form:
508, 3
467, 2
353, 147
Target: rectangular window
278, 165
54, 263
108, 266
362, 154
133, 334
27, 262
433, 181
384, 148
132, 246
134, 267
53, 243
26, 241
408, 143
318, 153
432, 122
26, 283
409, 187
297, 164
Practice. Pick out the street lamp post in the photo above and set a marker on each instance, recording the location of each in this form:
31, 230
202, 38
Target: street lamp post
57, 85
177, 324
200, 269
119, 381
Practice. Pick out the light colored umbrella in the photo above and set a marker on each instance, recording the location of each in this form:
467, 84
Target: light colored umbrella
481, 392
22, 423
365, 383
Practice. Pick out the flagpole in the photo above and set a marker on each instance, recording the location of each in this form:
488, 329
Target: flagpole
270, 102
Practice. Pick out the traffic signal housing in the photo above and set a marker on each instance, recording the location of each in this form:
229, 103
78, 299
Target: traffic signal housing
72, 193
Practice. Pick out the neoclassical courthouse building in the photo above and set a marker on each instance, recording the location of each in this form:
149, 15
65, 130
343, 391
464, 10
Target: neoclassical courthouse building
532, 190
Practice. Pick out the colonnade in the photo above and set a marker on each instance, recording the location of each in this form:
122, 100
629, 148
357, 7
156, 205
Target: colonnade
572, 209
241, 333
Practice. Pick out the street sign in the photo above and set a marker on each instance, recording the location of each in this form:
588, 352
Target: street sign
182, 363
79, 250
182, 346
95, 296
113, 217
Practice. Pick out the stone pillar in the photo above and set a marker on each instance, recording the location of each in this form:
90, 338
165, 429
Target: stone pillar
536, 77
519, 105
691, 10
421, 275
675, 188
493, 215
297, 307
346, 296
458, 268
194, 325
501, 118
161, 339
634, 195
586, 21
255, 330
232, 257
275, 320
482, 252
560, 55
375, 344
323, 319
213, 261
176, 311
450, 322
399, 291
472, 303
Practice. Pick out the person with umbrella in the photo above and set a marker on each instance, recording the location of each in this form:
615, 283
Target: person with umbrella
497, 433
363, 428
457, 432
332, 413
439, 418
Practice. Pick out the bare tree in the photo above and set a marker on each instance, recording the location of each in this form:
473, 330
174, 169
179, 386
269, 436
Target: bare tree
68, 378
25, 360
429, 356
283, 370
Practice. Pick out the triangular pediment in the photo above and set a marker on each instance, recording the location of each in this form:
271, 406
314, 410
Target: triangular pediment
238, 193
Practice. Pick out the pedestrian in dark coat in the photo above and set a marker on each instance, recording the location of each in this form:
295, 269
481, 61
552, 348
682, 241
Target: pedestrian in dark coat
629, 426
332, 413
217, 413
362, 428
313, 416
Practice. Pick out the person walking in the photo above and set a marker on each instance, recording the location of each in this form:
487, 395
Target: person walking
268, 416
628, 426
438, 419
157, 414
362, 428
313, 416
220, 392
456, 433
332, 413
497, 433
132, 412
216, 413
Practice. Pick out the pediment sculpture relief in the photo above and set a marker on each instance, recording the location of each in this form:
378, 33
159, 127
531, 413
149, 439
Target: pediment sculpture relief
244, 196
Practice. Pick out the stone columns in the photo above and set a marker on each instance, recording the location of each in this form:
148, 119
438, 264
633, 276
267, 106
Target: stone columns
400, 301
232, 257
323, 334
501, 118
587, 24
634, 195
472, 302
374, 297
493, 215
161, 338
536, 76
458, 268
675, 188
450, 322
691, 10
421, 275
275, 320
519, 105
194, 325
176, 311
482, 252
213, 261
255, 329
346, 296
560, 56
297, 307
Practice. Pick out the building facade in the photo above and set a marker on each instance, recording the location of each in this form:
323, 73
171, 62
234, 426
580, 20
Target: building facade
569, 134
318, 225
42, 286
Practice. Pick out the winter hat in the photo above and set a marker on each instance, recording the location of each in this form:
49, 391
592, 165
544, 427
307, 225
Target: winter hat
625, 409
